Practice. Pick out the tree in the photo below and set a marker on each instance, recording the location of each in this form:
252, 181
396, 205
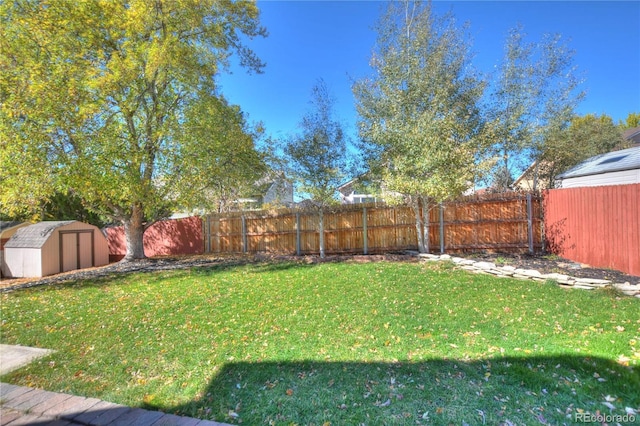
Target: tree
534, 94
632, 121
585, 137
419, 114
316, 157
117, 102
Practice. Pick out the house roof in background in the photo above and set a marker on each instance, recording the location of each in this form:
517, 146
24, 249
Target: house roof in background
632, 134
34, 236
626, 159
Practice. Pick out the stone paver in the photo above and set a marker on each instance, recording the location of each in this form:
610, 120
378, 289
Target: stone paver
137, 416
31, 399
49, 403
90, 415
76, 410
110, 415
22, 406
6, 388
8, 415
15, 393
173, 420
13, 357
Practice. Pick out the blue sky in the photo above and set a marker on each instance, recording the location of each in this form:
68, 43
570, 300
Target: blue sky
333, 40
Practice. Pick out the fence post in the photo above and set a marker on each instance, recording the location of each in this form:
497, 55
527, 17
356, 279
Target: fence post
244, 234
530, 223
207, 234
298, 248
364, 230
216, 232
441, 228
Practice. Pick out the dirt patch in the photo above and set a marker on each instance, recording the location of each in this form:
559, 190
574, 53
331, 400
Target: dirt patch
544, 264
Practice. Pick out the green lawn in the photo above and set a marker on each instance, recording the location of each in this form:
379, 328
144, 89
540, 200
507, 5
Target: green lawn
334, 343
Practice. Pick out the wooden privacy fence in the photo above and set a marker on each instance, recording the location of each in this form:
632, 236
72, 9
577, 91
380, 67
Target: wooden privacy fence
497, 222
599, 226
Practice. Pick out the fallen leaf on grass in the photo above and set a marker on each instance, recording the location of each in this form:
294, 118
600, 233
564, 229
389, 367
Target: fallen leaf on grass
383, 404
609, 405
541, 419
289, 392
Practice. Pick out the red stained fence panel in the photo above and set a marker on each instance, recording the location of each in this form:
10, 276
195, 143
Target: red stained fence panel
167, 237
599, 226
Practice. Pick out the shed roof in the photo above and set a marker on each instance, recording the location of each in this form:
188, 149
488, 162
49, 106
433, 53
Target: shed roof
34, 236
626, 159
8, 224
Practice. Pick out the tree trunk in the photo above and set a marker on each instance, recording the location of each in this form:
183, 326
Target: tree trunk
419, 232
321, 226
425, 223
134, 232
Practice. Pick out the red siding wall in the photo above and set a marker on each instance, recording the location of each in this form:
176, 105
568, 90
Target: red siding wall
599, 226
167, 237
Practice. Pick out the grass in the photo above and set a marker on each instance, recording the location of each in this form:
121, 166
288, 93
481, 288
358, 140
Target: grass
340, 343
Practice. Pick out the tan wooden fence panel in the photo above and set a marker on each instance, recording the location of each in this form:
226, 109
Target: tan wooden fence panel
496, 222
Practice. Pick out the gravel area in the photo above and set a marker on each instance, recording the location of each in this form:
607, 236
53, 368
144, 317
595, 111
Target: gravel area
544, 264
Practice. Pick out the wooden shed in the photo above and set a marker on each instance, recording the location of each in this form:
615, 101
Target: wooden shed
7, 229
48, 248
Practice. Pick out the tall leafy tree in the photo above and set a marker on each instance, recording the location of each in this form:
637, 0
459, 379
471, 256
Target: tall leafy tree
117, 102
632, 121
534, 94
419, 113
316, 156
585, 137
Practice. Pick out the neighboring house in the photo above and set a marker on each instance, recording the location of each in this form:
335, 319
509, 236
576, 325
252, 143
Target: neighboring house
271, 190
528, 181
350, 193
613, 168
632, 135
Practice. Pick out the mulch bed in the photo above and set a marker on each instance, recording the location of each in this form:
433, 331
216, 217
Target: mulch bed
544, 264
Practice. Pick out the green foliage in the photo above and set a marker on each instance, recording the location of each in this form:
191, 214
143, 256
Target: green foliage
585, 137
108, 100
316, 157
419, 114
632, 121
345, 343
534, 94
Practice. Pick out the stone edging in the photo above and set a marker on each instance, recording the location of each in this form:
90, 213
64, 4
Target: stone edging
482, 267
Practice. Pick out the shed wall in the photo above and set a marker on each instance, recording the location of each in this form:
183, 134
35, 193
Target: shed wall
51, 255
4, 237
23, 262
51, 249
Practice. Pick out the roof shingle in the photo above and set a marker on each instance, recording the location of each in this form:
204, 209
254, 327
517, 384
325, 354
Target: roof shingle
34, 236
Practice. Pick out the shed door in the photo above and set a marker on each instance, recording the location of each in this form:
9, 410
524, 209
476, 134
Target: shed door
76, 250
86, 250
69, 251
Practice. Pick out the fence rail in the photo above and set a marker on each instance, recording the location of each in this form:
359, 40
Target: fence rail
496, 223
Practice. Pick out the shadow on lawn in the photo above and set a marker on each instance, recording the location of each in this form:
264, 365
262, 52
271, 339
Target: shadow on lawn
528, 390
